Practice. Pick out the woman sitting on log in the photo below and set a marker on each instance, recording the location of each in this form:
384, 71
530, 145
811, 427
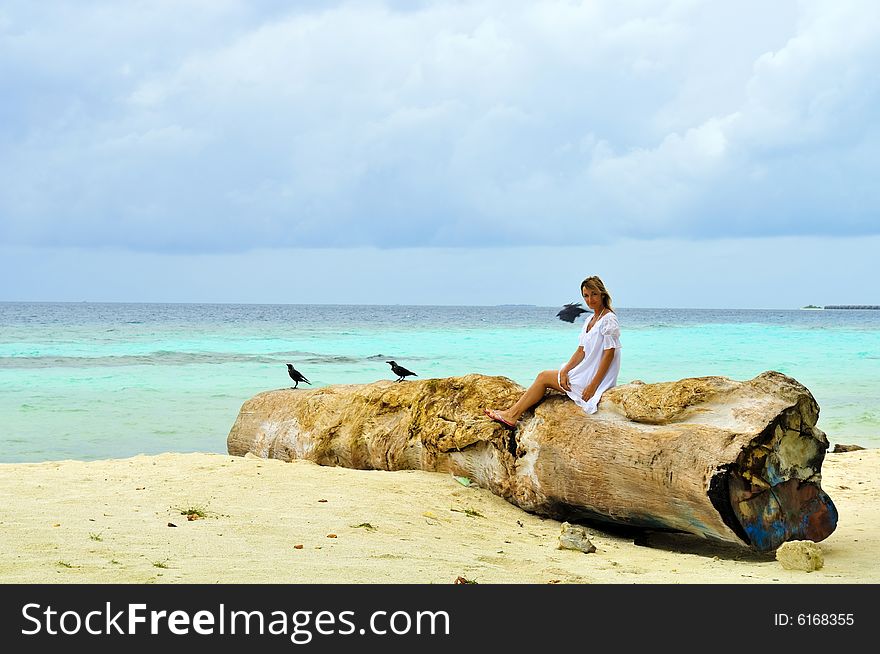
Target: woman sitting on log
591, 370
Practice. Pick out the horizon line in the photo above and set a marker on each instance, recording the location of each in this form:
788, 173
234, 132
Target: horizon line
402, 304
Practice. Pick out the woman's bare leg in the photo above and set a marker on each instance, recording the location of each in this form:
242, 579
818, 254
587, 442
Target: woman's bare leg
533, 395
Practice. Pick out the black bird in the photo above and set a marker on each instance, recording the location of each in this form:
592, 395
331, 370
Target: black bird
400, 371
570, 311
296, 375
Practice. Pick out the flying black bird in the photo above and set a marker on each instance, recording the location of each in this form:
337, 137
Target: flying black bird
400, 371
296, 375
570, 311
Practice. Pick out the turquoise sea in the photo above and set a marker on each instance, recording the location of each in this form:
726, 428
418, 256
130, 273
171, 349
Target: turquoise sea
93, 381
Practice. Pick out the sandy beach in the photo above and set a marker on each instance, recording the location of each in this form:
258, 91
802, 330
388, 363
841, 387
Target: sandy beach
267, 521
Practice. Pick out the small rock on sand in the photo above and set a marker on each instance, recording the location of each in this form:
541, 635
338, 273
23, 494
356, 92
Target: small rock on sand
574, 537
840, 447
800, 555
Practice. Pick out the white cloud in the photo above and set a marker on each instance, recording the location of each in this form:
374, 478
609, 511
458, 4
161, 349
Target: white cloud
211, 126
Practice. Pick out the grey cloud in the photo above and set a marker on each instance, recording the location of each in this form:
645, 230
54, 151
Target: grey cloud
210, 127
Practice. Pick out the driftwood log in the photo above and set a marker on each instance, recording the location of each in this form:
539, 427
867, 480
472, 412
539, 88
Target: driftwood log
733, 461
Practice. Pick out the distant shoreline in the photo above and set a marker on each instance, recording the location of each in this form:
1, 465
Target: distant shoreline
871, 307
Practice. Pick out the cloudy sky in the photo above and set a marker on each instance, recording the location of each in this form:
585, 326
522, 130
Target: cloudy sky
693, 154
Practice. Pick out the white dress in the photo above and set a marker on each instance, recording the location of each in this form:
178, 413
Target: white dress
604, 335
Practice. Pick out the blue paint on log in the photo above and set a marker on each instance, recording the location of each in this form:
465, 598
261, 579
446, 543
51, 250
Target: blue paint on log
772, 474
788, 511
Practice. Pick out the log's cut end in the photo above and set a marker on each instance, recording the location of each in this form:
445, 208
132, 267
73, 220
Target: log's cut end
788, 511
772, 493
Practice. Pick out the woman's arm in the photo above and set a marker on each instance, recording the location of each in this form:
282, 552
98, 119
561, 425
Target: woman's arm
604, 364
575, 359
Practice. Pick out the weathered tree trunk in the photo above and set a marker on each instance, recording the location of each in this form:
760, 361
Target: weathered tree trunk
733, 461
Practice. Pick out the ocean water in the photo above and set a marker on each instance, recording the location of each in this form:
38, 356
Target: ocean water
92, 381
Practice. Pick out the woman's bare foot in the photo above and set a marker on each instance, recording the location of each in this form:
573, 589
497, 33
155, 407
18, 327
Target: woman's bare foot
500, 416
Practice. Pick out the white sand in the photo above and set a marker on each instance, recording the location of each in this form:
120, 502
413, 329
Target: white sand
107, 522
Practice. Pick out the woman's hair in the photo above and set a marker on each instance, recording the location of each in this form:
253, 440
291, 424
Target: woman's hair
596, 284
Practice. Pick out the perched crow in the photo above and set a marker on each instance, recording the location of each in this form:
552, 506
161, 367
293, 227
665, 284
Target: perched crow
400, 371
570, 311
296, 375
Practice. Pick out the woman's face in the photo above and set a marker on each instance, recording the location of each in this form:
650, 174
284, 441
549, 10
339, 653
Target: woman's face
592, 297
